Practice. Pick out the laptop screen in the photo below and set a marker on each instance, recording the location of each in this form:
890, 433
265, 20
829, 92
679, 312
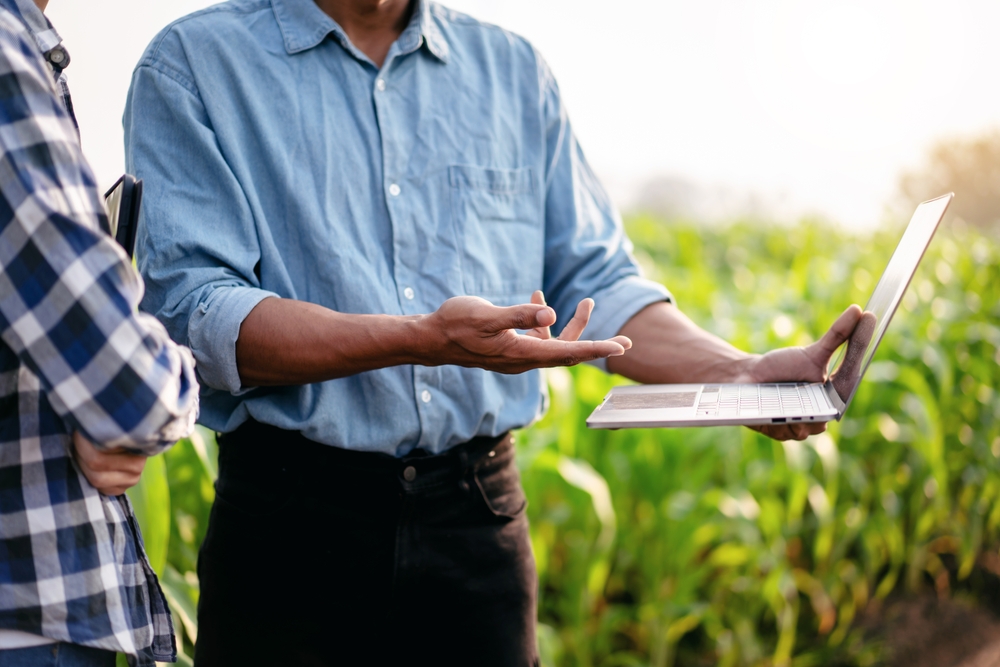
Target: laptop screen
854, 358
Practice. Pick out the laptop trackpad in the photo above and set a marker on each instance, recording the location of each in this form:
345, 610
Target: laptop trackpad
654, 401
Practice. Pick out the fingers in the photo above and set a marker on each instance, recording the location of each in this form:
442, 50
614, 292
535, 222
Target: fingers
574, 328
784, 432
606, 348
624, 341
114, 484
110, 472
481, 335
839, 332
115, 481
537, 316
528, 353
560, 352
525, 316
538, 298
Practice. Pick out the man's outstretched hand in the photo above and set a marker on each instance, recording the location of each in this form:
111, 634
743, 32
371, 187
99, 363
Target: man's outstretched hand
110, 472
800, 364
473, 332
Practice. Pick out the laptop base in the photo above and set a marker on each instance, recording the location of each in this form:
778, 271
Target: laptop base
689, 405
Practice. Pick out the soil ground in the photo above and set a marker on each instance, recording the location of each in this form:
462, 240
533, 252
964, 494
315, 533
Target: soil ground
924, 631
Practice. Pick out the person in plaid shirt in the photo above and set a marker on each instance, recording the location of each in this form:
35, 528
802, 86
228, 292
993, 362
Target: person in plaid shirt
88, 386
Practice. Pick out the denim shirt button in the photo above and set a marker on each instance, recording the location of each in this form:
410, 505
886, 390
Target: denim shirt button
425, 396
409, 293
380, 84
394, 190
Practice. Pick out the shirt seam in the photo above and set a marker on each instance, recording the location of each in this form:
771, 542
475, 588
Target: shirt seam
228, 7
457, 18
172, 74
453, 18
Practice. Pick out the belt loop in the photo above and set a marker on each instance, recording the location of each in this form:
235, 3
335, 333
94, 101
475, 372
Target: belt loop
463, 457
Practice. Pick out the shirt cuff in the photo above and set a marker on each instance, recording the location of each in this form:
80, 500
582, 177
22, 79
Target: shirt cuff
213, 330
617, 305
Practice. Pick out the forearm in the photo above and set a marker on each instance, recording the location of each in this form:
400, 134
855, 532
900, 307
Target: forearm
288, 342
285, 342
155, 383
667, 347
168, 369
140, 392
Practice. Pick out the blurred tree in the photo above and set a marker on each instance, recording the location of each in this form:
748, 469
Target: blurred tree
968, 167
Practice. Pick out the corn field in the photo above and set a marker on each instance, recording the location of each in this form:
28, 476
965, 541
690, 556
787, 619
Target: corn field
718, 546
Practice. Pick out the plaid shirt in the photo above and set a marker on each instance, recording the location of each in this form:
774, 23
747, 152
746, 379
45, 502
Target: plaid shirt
75, 355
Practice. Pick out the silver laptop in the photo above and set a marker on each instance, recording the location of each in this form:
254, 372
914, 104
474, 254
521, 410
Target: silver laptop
782, 403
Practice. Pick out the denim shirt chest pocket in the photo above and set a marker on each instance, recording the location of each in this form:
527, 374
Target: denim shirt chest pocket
498, 221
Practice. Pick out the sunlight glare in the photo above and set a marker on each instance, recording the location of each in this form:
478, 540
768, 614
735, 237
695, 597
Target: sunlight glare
826, 71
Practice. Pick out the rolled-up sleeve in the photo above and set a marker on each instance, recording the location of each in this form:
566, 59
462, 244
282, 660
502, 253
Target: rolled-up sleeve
197, 245
587, 253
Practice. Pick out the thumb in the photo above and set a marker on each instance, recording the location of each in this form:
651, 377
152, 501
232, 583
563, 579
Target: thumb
524, 316
840, 331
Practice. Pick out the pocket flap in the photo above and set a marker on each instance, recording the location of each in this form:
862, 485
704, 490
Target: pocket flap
501, 181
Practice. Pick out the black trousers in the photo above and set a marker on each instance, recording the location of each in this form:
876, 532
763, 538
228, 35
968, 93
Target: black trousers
322, 556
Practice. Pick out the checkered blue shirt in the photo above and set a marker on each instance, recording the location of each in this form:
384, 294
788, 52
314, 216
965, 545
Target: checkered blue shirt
75, 355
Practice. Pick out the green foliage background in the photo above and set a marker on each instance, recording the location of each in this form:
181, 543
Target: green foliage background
719, 546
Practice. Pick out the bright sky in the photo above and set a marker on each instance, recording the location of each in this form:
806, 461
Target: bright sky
819, 103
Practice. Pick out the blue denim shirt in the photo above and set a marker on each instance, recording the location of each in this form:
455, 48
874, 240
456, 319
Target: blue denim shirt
278, 160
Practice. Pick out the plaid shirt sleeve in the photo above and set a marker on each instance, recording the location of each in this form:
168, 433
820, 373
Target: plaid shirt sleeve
68, 294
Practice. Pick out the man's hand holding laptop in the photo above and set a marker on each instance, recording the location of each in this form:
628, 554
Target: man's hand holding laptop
800, 364
668, 348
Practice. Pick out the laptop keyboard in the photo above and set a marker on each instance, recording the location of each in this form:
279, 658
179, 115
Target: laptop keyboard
755, 400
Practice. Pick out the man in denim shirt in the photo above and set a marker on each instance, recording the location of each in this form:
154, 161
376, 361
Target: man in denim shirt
351, 208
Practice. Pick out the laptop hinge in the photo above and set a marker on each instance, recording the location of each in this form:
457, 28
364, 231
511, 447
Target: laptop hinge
835, 399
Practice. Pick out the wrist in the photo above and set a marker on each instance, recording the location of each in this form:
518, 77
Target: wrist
422, 341
744, 370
